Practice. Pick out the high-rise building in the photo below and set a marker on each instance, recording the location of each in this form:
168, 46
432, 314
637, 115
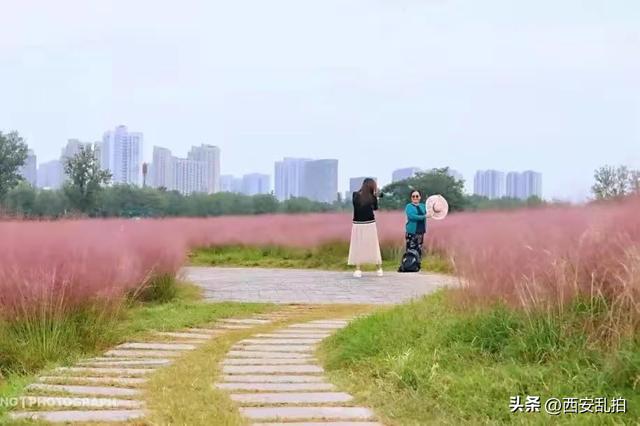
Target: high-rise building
189, 176
122, 153
489, 183
72, 148
513, 185
321, 180
28, 170
50, 175
226, 183
289, 177
210, 155
162, 169
402, 174
531, 184
356, 183
256, 183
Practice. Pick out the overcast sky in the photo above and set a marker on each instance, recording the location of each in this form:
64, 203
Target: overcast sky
547, 85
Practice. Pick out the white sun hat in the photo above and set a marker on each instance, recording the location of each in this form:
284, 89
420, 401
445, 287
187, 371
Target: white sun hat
437, 207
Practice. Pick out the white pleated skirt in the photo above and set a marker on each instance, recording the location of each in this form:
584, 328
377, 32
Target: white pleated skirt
365, 247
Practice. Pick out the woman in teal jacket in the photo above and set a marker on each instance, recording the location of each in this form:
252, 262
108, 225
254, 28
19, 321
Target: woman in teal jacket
416, 222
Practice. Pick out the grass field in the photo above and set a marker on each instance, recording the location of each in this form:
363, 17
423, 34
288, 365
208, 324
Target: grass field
327, 256
434, 362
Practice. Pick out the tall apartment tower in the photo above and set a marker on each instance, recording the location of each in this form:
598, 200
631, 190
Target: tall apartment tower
321, 180
290, 177
122, 153
210, 155
189, 176
531, 184
489, 183
162, 170
256, 183
513, 185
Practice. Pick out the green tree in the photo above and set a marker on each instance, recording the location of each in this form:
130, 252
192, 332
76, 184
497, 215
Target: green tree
85, 179
265, 203
50, 204
611, 182
21, 199
634, 181
436, 181
13, 154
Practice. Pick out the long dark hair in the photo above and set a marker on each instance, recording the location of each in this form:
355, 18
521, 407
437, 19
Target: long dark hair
368, 191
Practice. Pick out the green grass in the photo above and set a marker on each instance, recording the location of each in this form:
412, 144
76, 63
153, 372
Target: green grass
328, 257
432, 362
27, 348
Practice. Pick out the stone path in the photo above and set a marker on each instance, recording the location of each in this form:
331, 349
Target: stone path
276, 381
312, 287
107, 388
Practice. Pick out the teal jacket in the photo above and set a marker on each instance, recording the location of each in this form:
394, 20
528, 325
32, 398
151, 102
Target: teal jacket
414, 219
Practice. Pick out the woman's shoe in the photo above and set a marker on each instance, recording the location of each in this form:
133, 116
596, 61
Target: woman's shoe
379, 272
357, 274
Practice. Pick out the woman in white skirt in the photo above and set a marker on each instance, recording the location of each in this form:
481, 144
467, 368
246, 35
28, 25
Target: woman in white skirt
365, 247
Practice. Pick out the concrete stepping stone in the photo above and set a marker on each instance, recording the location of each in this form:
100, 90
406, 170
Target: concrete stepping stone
303, 331
158, 346
80, 416
316, 326
293, 335
128, 363
105, 371
209, 331
291, 398
235, 327
132, 353
251, 321
329, 322
273, 378
118, 381
272, 369
267, 355
303, 413
279, 341
76, 402
265, 361
86, 390
279, 387
276, 348
320, 424
194, 336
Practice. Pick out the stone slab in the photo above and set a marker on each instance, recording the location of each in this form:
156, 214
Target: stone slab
209, 331
299, 335
272, 341
267, 355
80, 416
291, 398
276, 348
119, 381
273, 378
133, 353
158, 346
316, 326
86, 390
302, 413
76, 402
276, 387
227, 327
184, 335
105, 371
320, 333
129, 363
265, 361
272, 369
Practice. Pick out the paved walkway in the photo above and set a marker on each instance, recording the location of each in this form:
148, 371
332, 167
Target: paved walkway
311, 286
276, 380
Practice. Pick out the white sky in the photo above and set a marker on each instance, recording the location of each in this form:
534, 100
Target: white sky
548, 85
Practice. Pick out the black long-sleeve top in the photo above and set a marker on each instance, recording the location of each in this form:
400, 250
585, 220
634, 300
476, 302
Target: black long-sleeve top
363, 213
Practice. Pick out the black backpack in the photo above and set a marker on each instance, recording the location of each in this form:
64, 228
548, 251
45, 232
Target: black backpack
410, 262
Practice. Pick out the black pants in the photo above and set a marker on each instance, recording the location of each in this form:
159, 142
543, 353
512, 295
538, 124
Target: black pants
414, 242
